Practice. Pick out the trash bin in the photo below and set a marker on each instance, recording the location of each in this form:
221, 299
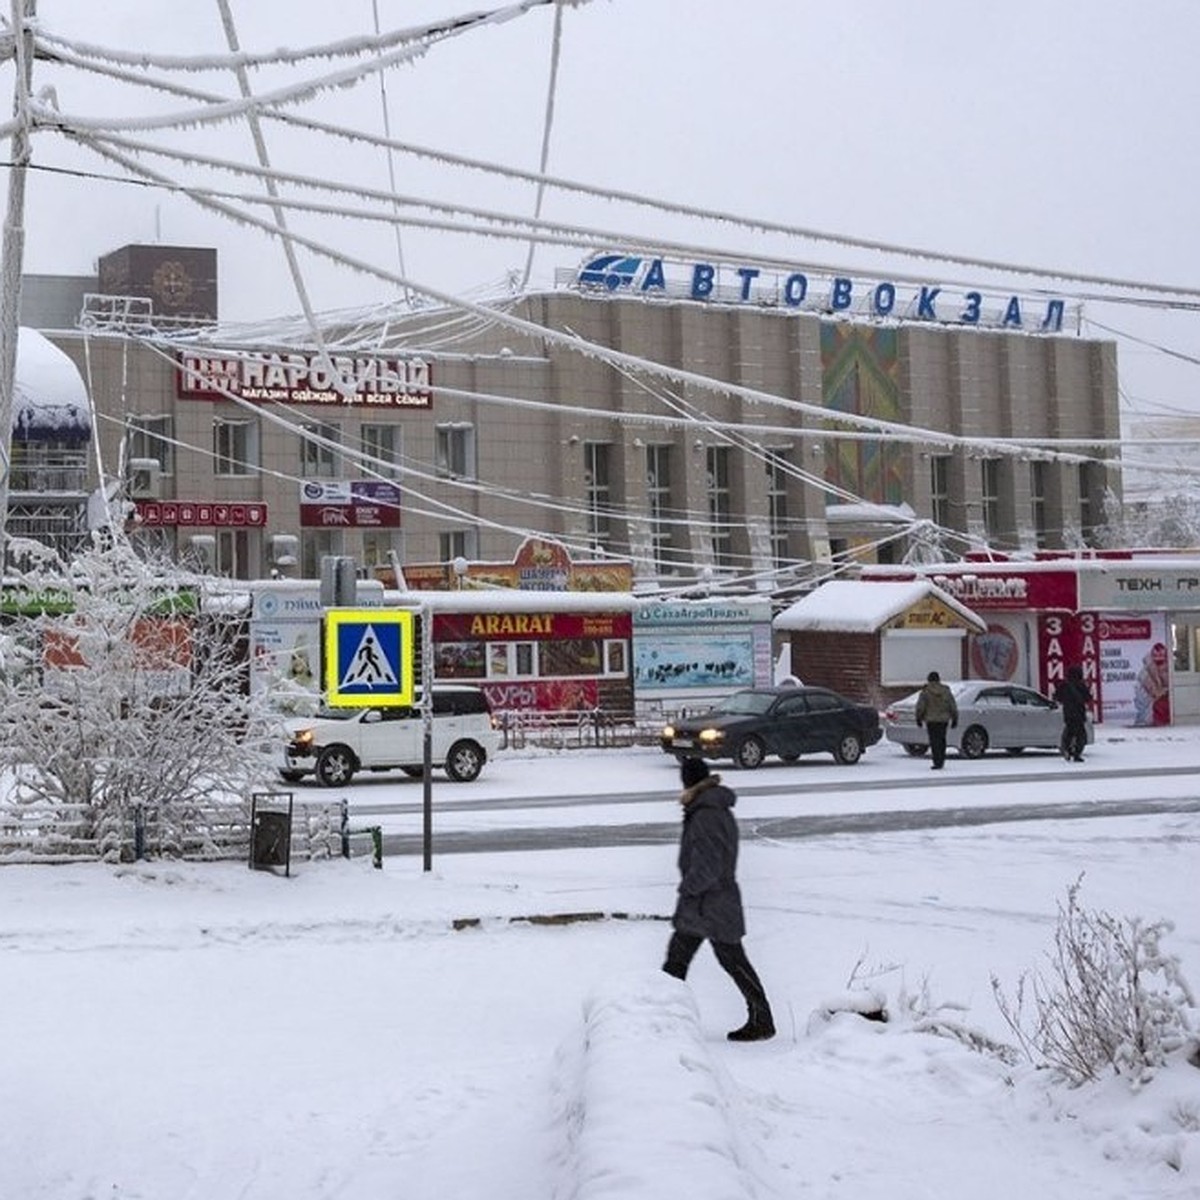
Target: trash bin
271, 836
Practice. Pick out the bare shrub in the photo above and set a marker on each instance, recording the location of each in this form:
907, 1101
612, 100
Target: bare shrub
1112, 998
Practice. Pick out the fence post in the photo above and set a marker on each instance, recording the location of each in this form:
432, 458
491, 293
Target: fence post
345, 827
139, 833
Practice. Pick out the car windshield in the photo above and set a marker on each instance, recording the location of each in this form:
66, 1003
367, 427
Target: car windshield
746, 702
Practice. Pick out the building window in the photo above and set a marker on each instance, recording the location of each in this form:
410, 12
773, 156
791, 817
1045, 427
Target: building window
316, 544
318, 450
658, 502
456, 451
458, 543
1037, 503
381, 445
777, 513
990, 493
720, 515
378, 547
235, 446
152, 438
939, 490
597, 496
233, 554
1091, 500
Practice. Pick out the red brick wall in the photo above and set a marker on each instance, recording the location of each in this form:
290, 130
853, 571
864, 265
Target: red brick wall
849, 663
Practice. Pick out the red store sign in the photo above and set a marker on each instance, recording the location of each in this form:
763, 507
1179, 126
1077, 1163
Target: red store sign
158, 513
521, 627
992, 591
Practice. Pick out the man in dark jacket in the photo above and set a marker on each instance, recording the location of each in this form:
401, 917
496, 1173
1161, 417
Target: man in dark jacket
1074, 696
936, 708
710, 904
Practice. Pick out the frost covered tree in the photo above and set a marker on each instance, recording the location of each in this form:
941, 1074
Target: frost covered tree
1170, 521
122, 695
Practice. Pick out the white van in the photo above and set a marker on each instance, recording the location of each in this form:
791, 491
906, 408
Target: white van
337, 742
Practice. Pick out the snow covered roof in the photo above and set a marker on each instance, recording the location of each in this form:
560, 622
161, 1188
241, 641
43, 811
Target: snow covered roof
50, 401
858, 606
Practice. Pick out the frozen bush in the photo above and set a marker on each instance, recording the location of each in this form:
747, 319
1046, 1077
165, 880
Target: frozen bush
1112, 998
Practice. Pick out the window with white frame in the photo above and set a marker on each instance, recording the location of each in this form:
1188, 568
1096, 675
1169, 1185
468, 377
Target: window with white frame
318, 450
658, 502
379, 546
777, 464
939, 490
458, 543
1091, 500
597, 493
990, 496
720, 506
381, 444
233, 554
152, 438
1037, 503
235, 446
455, 450
316, 544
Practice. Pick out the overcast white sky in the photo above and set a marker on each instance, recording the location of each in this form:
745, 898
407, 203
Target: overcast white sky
1055, 135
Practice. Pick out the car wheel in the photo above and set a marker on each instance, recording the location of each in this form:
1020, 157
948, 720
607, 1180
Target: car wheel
414, 772
1014, 749
335, 766
291, 776
465, 761
849, 750
749, 753
916, 749
973, 742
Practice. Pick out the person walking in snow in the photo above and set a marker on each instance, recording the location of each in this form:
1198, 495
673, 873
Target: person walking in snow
1074, 696
937, 709
710, 903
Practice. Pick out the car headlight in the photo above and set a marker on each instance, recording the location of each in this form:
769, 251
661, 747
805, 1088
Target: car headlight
668, 731
303, 737
711, 736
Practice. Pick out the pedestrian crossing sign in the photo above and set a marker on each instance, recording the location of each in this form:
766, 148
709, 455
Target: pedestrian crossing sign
368, 657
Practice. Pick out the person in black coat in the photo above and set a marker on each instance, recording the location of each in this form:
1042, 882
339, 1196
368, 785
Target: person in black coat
710, 904
1075, 697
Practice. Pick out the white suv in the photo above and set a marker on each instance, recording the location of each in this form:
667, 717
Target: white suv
339, 741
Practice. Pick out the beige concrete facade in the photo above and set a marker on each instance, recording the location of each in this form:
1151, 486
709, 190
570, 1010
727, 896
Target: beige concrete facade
526, 468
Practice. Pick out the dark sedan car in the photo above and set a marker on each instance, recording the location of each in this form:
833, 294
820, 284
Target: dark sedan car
788, 721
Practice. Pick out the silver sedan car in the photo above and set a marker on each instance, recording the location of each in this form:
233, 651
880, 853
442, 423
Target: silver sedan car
991, 716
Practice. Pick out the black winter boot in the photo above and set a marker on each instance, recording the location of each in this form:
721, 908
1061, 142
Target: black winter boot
756, 1029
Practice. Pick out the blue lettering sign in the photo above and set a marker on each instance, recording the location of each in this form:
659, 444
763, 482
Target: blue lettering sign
654, 276
795, 288
747, 274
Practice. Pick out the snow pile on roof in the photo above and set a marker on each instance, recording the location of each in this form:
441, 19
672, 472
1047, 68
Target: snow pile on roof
858, 606
50, 401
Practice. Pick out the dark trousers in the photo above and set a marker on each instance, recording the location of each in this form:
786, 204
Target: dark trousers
1074, 739
937, 741
682, 949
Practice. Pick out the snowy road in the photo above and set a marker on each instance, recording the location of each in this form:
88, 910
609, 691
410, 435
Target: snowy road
595, 798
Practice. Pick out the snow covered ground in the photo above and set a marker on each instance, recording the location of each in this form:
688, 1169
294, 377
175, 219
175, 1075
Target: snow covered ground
194, 1032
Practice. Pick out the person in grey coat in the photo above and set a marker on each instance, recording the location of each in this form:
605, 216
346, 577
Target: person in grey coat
937, 708
710, 904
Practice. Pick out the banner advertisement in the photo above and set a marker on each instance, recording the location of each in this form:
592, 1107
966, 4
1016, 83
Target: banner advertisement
1134, 671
